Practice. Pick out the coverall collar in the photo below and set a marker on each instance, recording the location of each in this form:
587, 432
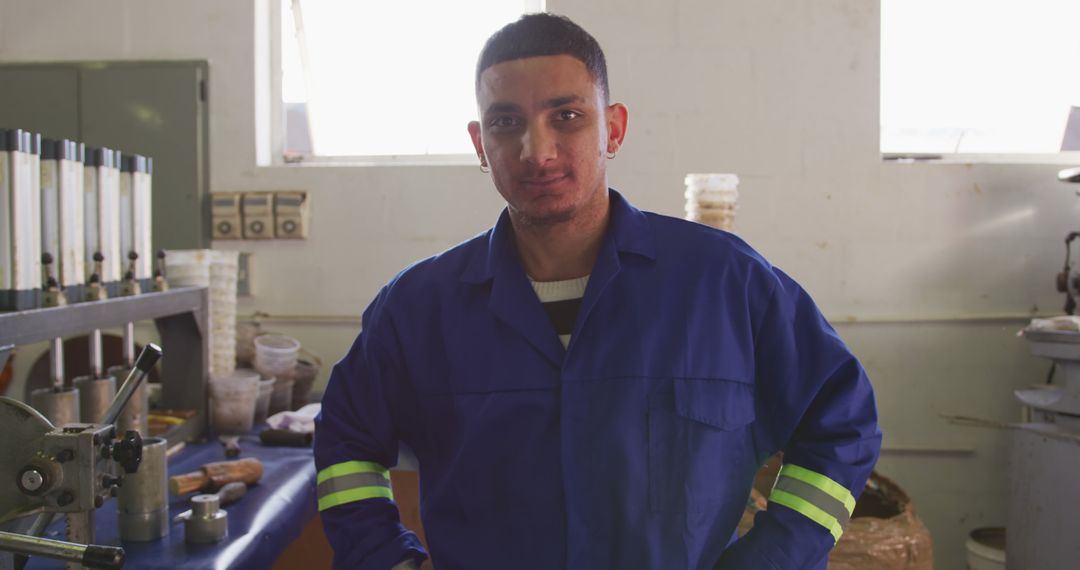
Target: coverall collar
513, 299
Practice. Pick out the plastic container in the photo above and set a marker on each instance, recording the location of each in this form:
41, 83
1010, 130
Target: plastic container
308, 365
711, 199
245, 342
986, 549
281, 398
275, 355
232, 401
262, 402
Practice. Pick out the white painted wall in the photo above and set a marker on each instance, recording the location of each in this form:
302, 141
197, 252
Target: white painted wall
927, 269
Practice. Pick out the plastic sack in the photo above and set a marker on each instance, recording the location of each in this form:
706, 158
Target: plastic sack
884, 532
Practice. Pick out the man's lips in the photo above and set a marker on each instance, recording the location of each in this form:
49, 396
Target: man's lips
543, 181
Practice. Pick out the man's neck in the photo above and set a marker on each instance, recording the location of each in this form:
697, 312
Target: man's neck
562, 251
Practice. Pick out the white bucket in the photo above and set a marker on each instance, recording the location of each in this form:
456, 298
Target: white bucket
986, 549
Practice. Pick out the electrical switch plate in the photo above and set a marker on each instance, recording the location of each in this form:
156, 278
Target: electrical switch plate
258, 212
226, 216
291, 215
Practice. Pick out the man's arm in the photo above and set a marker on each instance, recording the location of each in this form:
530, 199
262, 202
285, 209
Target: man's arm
356, 443
817, 406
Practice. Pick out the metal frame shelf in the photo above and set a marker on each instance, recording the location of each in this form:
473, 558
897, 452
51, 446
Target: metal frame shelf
181, 319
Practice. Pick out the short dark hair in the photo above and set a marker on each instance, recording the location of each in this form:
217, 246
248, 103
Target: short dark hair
535, 35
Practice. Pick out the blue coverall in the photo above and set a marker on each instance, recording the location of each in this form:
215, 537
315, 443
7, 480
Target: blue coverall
691, 362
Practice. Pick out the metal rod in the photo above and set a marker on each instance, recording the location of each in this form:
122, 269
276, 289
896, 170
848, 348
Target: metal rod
56, 362
96, 367
41, 522
129, 344
147, 358
91, 556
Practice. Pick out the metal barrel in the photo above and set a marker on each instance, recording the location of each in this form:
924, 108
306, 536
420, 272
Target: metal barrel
143, 505
134, 414
59, 406
95, 396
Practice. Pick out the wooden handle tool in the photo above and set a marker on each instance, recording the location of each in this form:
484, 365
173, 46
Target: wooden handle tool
213, 476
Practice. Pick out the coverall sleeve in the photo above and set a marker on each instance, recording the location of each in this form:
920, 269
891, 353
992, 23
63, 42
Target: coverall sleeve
816, 404
356, 443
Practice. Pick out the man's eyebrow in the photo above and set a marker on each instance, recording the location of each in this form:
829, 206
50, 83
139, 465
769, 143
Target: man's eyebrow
554, 102
564, 100
501, 107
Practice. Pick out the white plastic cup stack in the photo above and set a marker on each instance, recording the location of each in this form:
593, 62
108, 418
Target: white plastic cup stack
232, 401
275, 355
223, 277
711, 199
216, 270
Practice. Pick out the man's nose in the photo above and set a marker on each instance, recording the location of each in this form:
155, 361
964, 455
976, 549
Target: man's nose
538, 146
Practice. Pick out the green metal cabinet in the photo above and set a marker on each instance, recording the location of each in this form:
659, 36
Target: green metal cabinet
154, 108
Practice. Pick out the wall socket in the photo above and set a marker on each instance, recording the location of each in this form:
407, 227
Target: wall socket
260, 215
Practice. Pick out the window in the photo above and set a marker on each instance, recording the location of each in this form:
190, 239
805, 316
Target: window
980, 76
385, 81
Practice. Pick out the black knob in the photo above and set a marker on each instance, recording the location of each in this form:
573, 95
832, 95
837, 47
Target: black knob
161, 254
128, 451
46, 258
103, 557
98, 257
133, 255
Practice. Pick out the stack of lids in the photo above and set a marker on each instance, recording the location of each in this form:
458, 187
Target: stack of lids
711, 199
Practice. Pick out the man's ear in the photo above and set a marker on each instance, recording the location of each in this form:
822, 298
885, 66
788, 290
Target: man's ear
618, 119
478, 143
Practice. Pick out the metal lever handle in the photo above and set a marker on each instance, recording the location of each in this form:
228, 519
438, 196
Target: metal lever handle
147, 359
91, 556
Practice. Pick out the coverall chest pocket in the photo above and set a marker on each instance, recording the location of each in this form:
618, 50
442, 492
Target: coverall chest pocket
700, 443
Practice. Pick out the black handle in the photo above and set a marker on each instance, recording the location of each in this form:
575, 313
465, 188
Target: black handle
148, 357
109, 557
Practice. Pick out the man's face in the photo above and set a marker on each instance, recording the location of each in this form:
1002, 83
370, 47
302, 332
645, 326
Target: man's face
545, 131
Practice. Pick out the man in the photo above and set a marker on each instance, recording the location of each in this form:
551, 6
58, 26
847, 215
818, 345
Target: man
587, 385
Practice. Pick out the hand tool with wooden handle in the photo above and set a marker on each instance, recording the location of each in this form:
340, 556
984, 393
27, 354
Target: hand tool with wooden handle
213, 476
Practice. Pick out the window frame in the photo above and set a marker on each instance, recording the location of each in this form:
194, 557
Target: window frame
276, 127
1060, 157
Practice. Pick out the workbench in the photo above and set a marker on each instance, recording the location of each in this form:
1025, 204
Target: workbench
261, 525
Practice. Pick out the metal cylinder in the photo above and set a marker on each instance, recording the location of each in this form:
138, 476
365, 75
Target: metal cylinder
134, 414
205, 523
129, 344
59, 406
95, 395
143, 506
96, 368
56, 362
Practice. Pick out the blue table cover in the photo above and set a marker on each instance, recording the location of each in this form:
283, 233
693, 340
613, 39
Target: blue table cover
261, 525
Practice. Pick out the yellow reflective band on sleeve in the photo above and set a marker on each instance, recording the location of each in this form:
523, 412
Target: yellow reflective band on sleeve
353, 495
808, 510
832, 488
351, 467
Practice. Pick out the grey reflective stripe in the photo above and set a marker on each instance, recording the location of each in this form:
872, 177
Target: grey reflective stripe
817, 497
351, 481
